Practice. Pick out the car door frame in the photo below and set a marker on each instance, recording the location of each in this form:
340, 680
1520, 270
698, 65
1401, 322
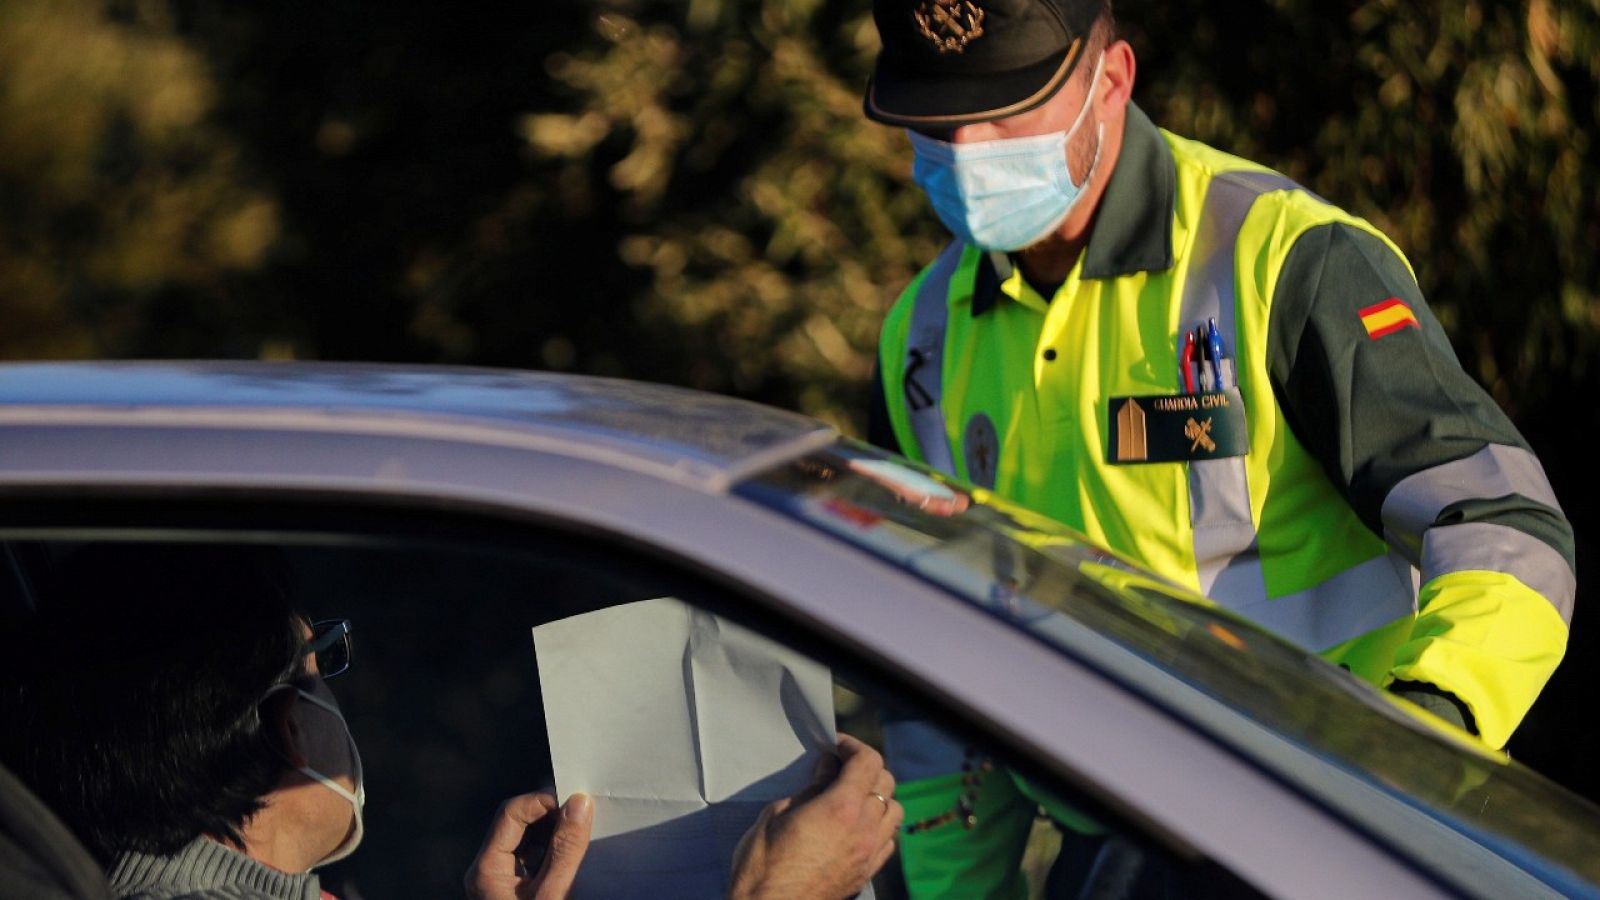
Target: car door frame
1116, 744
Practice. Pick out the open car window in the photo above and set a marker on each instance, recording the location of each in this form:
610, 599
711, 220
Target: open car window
446, 694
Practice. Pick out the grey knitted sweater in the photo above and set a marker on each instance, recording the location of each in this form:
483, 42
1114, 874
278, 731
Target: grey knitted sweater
206, 870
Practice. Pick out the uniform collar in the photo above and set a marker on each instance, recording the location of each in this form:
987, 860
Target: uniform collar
1132, 230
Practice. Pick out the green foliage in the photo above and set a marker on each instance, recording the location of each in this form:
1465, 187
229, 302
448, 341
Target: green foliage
774, 225
113, 185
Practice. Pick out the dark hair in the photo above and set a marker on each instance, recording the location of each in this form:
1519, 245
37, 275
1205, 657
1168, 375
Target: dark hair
131, 700
1101, 33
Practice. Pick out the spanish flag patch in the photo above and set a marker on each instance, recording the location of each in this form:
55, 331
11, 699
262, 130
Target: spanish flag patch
1388, 317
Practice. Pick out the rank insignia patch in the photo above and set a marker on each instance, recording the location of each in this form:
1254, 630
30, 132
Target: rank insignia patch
1132, 436
1387, 317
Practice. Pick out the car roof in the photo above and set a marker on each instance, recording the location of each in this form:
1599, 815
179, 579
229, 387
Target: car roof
688, 436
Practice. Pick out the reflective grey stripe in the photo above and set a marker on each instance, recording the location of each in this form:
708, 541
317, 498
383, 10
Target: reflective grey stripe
1227, 561
916, 749
1346, 606
1219, 489
1497, 470
1208, 289
923, 375
1485, 546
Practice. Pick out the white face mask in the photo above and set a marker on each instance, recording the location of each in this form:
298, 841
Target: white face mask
1005, 194
356, 798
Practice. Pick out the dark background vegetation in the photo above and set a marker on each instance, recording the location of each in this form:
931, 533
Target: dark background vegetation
685, 192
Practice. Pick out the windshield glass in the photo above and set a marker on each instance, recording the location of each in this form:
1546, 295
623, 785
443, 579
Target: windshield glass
1050, 581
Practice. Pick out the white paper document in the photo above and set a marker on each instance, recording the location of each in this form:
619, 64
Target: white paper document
681, 726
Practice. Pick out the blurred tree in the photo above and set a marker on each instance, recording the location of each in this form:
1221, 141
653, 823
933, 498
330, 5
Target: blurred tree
773, 225
684, 190
1464, 130
113, 187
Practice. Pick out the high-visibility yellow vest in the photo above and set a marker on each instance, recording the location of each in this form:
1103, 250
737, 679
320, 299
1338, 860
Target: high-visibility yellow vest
1265, 534
1002, 401
1019, 399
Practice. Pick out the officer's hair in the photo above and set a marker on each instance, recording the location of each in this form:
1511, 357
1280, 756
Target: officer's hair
132, 699
1101, 34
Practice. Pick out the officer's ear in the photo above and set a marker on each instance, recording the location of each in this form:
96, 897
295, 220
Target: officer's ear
1117, 76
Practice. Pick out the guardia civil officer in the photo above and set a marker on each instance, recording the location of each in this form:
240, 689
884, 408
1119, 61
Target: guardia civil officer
1203, 366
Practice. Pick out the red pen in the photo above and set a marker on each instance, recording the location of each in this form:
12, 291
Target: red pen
1186, 358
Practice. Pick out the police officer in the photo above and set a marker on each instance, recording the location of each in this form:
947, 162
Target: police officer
1202, 365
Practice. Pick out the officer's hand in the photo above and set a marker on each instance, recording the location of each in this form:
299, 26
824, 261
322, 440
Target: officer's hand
826, 841
1440, 702
499, 873
931, 498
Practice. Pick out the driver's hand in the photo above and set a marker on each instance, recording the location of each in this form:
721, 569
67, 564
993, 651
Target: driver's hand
826, 841
499, 874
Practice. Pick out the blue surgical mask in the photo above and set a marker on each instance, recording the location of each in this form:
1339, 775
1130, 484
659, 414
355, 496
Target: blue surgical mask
1005, 194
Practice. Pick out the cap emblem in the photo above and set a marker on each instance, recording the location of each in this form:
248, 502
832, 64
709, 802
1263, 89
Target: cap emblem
950, 25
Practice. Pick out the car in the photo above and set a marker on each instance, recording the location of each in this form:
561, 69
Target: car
447, 511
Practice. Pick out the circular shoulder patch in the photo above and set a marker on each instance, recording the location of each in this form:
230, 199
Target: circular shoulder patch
980, 446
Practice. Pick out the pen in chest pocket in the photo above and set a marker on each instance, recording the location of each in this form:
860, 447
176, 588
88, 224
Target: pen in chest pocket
1214, 350
1186, 361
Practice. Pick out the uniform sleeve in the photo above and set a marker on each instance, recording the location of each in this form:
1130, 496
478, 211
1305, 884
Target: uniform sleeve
1371, 387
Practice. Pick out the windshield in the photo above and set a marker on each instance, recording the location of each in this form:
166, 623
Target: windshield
1050, 581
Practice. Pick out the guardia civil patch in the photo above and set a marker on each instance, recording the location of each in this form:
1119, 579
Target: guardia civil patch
1177, 427
980, 448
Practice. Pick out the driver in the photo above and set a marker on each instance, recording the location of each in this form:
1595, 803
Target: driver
194, 747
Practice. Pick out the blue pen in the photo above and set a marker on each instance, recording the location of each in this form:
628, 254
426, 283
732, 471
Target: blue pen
1214, 350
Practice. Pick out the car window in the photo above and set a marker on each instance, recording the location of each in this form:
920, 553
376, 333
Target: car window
1055, 584
445, 698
